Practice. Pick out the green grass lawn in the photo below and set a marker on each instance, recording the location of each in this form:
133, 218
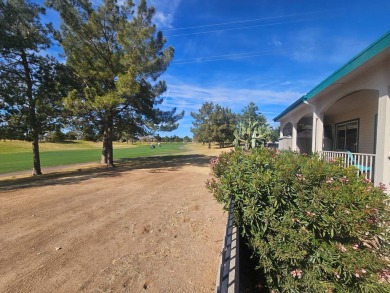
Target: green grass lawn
17, 156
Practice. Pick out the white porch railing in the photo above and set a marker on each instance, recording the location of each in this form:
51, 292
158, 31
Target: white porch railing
364, 163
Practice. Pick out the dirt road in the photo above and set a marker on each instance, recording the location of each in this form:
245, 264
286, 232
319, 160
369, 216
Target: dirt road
148, 225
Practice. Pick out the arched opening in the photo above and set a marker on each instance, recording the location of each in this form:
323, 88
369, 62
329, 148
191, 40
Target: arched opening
304, 134
287, 129
285, 142
350, 123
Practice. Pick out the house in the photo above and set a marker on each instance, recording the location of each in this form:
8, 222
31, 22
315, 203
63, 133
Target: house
347, 115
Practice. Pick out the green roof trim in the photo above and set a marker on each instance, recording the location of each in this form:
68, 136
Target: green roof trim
375, 48
289, 108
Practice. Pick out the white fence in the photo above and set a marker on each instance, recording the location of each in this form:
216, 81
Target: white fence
364, 163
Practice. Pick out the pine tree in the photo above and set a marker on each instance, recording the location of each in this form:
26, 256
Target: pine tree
119, 56
251, 113
30, 82
213, 123
203, 130
224, 124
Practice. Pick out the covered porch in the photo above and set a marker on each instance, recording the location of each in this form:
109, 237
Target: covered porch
345, 129
347, 116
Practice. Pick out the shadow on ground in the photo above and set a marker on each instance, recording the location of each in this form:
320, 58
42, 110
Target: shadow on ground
155, 164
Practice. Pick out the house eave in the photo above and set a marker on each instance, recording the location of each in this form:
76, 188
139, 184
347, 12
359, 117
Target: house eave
290, 108
371, 51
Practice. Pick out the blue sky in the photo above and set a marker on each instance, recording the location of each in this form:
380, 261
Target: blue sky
262, 51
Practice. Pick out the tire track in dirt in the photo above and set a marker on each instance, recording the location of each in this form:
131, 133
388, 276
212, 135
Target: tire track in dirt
156, 228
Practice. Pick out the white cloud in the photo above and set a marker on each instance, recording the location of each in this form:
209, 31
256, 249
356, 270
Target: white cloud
277, 43
165, 12
163, 20
191, 97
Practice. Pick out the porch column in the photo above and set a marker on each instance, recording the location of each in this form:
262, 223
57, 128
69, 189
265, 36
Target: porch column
281, 137
320, 132
294, 137
317, 132
382, 160
314, 133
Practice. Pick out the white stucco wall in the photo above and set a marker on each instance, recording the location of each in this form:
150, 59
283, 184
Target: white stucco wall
367, 92
362, 105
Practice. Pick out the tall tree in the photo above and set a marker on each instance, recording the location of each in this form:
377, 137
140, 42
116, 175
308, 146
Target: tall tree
252, 113
119, 56
30, 82
213, 123
203, 126
223, 125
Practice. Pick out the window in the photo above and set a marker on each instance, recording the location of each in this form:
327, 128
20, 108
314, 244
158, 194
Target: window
347, 136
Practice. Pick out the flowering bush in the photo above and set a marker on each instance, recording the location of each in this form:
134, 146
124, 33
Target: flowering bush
314, 226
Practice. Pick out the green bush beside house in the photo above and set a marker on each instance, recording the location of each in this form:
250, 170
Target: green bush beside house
313, 225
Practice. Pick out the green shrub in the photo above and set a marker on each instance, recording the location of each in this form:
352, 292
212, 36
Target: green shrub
314, 226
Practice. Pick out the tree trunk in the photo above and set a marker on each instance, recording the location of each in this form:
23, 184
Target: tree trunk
103, 159
35, 143
107, 151
209, 145
36, 158
32, 118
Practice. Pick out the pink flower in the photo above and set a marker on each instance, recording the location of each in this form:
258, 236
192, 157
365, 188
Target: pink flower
384, 276
358, 273
329, 181
343, 179
214, 162
341, 247
297, 273
374, 211
210, 183
310, 214
382, 187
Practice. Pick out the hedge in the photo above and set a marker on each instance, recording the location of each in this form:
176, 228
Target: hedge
313, 225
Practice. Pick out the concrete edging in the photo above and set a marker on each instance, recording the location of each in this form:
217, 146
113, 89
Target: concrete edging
228, 272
